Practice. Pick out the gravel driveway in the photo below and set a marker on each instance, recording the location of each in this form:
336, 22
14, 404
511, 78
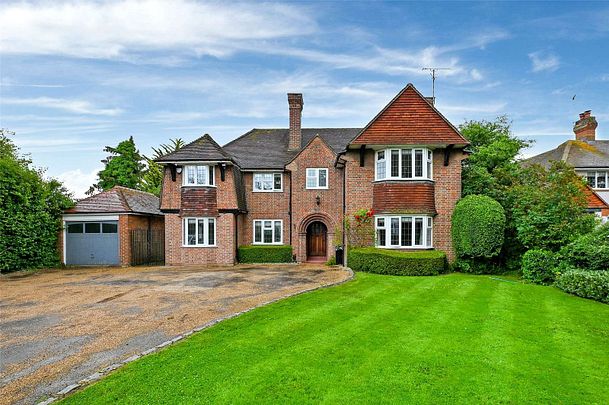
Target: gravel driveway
57, 327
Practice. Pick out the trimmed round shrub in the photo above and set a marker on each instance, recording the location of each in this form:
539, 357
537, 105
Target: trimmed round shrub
538, 266
585, 283
264, 254
590, 251
397, 263
478, 227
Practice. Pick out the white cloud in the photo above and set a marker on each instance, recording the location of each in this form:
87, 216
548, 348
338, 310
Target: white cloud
70, 105
77, 181
489, 108
121, 29
544, 61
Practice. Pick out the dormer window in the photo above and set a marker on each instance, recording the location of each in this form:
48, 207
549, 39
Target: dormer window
404, 164
198, 175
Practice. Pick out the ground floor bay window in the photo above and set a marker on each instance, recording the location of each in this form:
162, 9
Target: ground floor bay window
404, 231
200, 232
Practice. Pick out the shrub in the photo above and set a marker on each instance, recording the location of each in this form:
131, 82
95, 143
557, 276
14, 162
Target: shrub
383, 261
585, 283
478, 227
538, 266
590, 251
478, 266
331, 261
264, 254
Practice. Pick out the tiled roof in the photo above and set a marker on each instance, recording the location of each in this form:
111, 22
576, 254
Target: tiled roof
201, 149
268, 148
118, 200
409, 119
579, 154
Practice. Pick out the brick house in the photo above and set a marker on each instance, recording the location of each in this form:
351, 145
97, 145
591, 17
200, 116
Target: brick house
590, 158
98, 229
294, 186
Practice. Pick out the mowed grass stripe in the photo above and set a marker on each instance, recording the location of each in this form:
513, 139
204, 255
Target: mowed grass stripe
454, 338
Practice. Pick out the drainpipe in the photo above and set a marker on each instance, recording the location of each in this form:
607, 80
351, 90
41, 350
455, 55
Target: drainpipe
344, 214
236, 218
290, 210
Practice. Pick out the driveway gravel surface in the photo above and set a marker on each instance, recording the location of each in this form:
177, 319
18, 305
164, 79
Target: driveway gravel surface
58, 327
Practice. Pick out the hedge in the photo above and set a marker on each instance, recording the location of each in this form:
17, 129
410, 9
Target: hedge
264, 254
478, 227
585, 283
538, 266
393, 262
590, 251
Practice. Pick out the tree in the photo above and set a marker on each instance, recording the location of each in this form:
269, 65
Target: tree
30, 212
492, 169
153, 176
550, 207
123, 167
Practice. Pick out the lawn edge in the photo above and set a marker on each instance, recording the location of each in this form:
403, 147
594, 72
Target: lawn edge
71, 388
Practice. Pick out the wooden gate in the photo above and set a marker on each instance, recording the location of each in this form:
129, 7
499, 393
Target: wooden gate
147, 246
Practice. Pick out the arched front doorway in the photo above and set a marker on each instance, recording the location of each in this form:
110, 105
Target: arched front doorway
317, 236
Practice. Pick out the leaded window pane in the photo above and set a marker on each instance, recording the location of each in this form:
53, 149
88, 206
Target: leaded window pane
429, 163
601, 180
380, 165
190, 175
277, 236
191, 231
202, 174
323, 178
277, 181
406, 231
591, 177
201, 231
406, 163
381, 235
418, 231
257, 231
429, 232
211, 175
395, 231
395, 163
211, 231
418, 163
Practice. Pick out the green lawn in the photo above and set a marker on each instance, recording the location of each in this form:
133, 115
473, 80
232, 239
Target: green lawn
444, 339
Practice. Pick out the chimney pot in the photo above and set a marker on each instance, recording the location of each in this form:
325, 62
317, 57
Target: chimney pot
585, 127
295, 103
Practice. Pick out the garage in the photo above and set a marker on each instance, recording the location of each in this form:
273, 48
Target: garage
117, 227
92, 243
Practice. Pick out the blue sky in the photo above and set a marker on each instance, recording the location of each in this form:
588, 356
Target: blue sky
78, 76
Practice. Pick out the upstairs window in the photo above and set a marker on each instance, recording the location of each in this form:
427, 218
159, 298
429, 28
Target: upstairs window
317, 178
199, 175
404, 164
598, 180
268, 182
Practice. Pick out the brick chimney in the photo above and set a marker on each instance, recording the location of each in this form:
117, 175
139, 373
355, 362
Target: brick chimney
295, 102
585, 127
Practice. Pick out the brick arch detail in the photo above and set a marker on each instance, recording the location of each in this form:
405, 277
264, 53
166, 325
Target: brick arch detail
318, 216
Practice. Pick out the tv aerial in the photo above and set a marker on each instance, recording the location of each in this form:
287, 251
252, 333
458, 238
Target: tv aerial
433, 71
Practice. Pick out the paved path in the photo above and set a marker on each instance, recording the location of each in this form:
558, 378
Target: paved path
57, 327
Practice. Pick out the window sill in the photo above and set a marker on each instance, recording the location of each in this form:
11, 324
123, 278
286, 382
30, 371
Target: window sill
268, 244
405, 180
199, 246
316, 188
197, 186
405, 247
267, 191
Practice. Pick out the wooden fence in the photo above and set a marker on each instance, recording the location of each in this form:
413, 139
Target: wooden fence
147, 247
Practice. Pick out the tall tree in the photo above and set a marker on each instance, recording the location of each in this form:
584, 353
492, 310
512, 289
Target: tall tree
153, 176
30, 211
124, 167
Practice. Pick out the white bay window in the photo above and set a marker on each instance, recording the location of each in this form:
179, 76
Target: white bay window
404, 231
200, 232
268, 231
404, 164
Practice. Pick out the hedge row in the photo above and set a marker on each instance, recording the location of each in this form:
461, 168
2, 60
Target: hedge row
392, 262
585, 283
264, 254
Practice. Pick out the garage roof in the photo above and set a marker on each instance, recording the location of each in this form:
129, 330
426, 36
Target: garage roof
118, 200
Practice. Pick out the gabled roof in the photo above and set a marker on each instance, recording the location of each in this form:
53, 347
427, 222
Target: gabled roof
579, 154
594, 200
409, 119
118, 200
268, 148
200, 150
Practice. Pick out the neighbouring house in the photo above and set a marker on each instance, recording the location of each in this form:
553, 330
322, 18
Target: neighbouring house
590, 158
294, 186
120, 226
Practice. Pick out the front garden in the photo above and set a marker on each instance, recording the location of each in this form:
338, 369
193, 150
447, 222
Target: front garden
454, 338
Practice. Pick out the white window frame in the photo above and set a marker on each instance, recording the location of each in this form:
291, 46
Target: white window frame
427, 169
209, 169
206, 221
273, 175
596, 173
427, 227
317, 170
272, 221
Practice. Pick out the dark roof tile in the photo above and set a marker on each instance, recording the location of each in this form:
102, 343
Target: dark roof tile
201, 149
118, 200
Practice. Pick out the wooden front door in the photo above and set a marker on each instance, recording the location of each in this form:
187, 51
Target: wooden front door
316, 240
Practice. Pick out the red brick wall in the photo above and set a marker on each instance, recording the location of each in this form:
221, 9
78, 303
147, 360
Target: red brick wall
223, 253
304, 204
202, 202
415, 197
275, 205
447, 191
